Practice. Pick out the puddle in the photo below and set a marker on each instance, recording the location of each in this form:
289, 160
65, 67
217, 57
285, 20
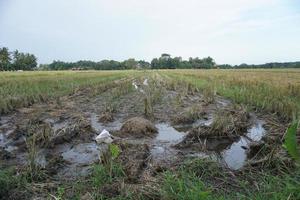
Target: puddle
85, 153
223, 102
2, 141
197, 123
41, 158
162, 149
235, 157
204, 122
79, 158
167, 133
59, 125
229, 152
98, 126
5, 142
257, 131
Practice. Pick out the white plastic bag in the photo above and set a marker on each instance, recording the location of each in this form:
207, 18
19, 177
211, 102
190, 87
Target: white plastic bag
104, 137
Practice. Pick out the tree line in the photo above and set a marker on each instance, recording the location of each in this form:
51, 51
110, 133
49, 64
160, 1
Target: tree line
11, 61
16, 60
266, 65
102, 65
165, 61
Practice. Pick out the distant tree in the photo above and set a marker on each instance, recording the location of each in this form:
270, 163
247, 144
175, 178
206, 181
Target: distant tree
208, 63
225, 66
24, 61
4, 59
131, 63
204, 63
155, 63
144, 64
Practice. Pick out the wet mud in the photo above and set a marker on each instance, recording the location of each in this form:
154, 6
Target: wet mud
182, 124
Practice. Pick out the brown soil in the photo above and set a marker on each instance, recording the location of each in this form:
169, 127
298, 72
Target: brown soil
106, 117
191, 115
68, 124
54, 163
80, 129
139, 127
228, 124
5, 155
134, 159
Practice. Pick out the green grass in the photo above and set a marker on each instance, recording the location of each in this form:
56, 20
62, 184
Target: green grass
290, 142
10, 180
184, 185
276, 91
204, 179
19, 89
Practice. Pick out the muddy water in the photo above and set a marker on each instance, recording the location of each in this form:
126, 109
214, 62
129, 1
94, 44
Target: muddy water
79, 158
162, 149
168, 134
84, 153
6, 129
231, 153
199, 122
235, 156
2, 140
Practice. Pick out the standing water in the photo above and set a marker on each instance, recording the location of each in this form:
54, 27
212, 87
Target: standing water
162, 145
235, 157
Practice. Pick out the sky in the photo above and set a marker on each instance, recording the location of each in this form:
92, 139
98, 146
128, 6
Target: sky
230, 31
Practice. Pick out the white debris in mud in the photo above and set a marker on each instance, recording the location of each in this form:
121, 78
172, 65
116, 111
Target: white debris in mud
104, 137
145, 82
135, 85
137, 88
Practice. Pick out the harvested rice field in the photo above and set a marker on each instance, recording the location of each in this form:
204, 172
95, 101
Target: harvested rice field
172, 134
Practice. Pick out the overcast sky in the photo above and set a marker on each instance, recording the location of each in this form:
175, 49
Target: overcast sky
230, 31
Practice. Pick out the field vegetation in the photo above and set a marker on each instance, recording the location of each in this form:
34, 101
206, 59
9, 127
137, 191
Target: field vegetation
178, 134
25, 88
275, 91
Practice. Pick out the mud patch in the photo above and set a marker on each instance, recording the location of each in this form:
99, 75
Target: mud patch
98, 126
228, 135
4, 154
194, 113
134, 158
78, 159
76, 129
138, 127
228, 124
106, 117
